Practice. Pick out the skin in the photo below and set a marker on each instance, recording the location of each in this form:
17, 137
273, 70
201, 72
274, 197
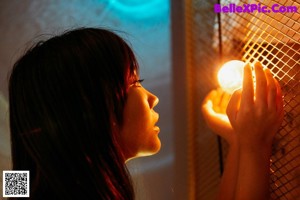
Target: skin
247, 120
249, 125
139, 133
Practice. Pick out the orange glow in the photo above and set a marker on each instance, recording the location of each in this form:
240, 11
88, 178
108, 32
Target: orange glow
230, 75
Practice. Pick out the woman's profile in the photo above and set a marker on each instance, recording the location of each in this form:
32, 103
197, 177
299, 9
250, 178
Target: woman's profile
78, 112
67, 100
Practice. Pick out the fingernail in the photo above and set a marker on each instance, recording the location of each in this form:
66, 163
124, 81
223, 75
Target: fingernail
257, 64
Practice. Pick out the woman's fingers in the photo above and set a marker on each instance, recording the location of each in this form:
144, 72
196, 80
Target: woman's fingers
275, 101
210, 97
279, 102
247, 98
224, 102
218, 100
233, 106
261, 86
207, 105
258, 113
217, 121
272, 90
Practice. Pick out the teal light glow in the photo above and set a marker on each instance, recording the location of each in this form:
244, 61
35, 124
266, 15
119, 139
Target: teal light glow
140, 9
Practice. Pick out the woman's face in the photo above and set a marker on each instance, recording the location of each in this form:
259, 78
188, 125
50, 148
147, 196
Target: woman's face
139, 133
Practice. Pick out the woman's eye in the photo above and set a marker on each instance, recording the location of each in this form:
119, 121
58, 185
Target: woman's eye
138, 82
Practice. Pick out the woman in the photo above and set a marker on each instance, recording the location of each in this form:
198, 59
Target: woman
78, 112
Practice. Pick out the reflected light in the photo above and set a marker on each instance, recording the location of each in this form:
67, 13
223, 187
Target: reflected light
230, 75
140, 9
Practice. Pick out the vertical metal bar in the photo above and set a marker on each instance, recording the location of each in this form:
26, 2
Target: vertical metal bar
219, 140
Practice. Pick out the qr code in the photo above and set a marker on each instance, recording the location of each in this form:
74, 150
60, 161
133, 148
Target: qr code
15, 183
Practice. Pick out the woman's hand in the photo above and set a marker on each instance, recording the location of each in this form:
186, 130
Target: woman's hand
253, 116
255, 120
214, 112
256, 114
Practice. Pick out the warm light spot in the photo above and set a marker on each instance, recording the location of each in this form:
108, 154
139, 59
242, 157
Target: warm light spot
230, 76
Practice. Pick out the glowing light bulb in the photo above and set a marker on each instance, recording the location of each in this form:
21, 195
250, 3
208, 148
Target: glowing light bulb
230, 76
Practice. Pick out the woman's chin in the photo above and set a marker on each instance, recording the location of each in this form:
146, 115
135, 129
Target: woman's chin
149, 152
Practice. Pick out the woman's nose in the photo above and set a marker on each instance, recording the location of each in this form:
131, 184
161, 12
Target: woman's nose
152, 99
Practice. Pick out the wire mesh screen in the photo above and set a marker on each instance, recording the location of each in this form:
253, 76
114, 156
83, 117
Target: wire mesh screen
272, 38
201, 57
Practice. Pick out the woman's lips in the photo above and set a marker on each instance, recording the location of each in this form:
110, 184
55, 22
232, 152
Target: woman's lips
156, 129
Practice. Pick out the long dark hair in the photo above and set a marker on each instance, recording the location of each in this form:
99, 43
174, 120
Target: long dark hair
67, 96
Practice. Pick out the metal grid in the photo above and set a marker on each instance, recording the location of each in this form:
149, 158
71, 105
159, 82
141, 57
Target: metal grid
274, 40
204, 172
